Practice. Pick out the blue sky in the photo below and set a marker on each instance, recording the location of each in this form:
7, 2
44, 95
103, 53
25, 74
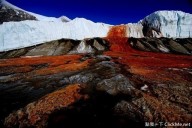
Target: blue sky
107, 11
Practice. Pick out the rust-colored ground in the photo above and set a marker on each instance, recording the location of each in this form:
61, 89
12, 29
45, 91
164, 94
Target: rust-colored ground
40, 110
49, 64
167, 76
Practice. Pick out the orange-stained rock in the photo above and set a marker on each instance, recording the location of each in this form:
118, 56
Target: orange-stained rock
53, 60
156, 67
36, 114
163, 110
47, 65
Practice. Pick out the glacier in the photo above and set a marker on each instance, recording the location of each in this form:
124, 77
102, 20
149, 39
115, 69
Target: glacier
14, 35
134, 30
171, 24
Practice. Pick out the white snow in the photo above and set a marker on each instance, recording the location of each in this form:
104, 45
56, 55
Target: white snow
163, 49
14, 35
144, 88
64, 19
172, 24
31, 56
134, 30
82, 48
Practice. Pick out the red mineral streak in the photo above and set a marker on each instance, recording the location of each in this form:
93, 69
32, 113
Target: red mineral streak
63, 68
51, 60
153, 66
116, 37
48, 65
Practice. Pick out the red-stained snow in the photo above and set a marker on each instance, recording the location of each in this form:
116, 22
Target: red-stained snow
154, 66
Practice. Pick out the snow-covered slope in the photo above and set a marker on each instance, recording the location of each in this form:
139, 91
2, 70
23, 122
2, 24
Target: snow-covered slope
169, 24
15, 35
8, 13
38, 17
26, 33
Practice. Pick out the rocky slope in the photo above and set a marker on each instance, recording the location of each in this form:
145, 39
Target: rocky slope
121, 90
8, 14
59, 47
99, 45
164, 45
122, 87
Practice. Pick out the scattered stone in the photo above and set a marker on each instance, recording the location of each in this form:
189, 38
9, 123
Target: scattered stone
144, 88
116, 85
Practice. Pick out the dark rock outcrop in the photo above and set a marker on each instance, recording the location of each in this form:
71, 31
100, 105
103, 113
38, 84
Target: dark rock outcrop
60, 47
116, 85
148, 30
8, 14
165, 45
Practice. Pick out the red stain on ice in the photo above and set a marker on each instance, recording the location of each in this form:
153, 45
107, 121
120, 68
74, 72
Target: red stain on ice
117, 38
147, 64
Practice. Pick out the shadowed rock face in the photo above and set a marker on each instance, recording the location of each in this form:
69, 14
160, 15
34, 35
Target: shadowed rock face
149, 31
8, 14
117, 85
60, 47
165, 45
